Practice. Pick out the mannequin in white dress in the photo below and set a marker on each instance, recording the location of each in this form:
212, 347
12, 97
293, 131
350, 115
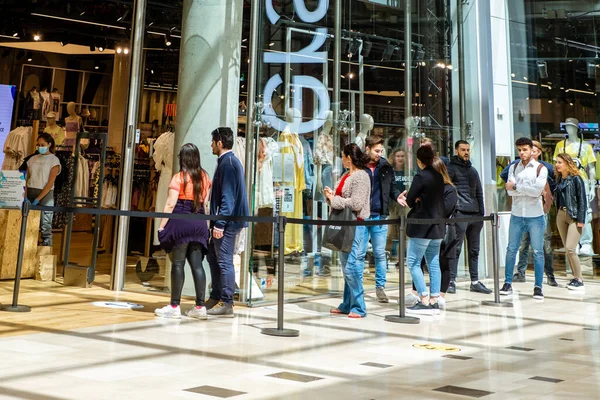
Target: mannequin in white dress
583, 155
366, 124
163, 162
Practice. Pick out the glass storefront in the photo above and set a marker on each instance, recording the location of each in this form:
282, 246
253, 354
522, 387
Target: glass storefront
555, 66
329, 73
311, 102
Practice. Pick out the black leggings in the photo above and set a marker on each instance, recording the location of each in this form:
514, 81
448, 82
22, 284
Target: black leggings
445, 268
194, 253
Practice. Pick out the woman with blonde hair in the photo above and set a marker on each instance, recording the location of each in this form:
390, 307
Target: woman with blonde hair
571, 206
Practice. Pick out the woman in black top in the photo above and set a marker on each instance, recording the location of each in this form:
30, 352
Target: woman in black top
425, 240
571, 206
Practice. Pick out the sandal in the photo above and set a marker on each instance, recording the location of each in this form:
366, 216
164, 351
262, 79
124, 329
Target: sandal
354, 315
336, 311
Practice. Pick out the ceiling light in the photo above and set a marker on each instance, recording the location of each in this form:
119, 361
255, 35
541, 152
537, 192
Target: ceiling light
549, 101
513, 75
122, 17
126, 50
96, 67
168, 41
271, 44
366, 49
152, 71
101, 49
29, 56
387, 53
244, 40
16, 34
542, 69
571, 104
351, 75
37, 37
119, 49
525, 78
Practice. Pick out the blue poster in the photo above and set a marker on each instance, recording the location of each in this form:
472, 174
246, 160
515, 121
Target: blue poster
7, 100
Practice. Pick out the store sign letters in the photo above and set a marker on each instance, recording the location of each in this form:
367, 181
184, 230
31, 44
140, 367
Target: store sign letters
308, 55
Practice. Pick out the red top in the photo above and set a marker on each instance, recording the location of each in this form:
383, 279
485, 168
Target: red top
338, 191
187, 193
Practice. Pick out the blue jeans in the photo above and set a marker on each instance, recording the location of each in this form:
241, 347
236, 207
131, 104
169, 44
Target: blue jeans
378, 240
535, 226
222, 271
548, 252
353, 268
430, 248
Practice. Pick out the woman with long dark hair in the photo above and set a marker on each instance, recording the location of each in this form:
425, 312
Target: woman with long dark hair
186, 239
353, 191
571, 206
42, 170
425, 240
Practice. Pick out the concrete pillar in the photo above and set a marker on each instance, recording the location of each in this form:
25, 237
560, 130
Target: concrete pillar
209, 80
209, 73
118, 100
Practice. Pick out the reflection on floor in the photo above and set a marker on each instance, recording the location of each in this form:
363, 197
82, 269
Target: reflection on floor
534, 350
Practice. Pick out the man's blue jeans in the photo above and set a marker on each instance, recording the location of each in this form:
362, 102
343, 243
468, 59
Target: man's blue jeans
378, 236
353, 269
535, 226
548, 252
430, 248
222, 271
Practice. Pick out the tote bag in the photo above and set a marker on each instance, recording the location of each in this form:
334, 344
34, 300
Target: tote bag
340, 238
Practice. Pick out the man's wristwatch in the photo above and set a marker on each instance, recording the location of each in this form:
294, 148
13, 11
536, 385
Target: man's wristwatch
515, 187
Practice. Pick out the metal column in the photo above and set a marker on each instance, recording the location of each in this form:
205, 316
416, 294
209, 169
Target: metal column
252, 114
135, 85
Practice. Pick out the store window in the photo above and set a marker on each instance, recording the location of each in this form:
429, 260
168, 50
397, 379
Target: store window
306, 119
555, 69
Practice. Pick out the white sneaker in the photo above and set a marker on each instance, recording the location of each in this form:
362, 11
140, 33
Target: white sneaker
441, 302
411, 299
168, 311
198, 313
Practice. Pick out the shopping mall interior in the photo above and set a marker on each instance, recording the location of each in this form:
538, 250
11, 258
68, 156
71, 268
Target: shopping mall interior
121, 85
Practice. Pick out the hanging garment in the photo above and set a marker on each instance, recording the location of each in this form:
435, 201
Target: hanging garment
309, 167
163, 162
45, 104
289, 143
265, 174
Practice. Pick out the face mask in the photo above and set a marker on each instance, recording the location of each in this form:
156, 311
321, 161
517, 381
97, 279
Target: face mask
42, 150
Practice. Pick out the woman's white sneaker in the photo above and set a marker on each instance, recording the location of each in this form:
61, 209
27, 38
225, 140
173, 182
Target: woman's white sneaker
168, 311
197, 312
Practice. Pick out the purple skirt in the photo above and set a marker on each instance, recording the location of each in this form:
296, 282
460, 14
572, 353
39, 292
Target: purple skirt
182, 231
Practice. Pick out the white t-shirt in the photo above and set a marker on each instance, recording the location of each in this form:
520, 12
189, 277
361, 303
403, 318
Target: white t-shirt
38, 170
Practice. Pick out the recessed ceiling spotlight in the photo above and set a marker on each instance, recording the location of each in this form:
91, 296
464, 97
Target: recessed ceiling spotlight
168, 41
29, 56
126, 50
37, 37
119, 50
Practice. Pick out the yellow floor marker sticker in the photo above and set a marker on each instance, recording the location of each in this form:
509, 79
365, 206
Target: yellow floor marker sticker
438, 347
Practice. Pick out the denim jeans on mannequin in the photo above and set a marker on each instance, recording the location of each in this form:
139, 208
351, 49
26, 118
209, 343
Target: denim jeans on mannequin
353, 269
548, 251
378, 234
430, 248
518, 226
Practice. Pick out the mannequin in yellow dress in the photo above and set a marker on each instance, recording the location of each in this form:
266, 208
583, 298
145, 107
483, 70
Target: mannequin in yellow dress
289, 143
583, 155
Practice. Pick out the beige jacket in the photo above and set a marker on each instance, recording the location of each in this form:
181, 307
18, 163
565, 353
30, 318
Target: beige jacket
356, 194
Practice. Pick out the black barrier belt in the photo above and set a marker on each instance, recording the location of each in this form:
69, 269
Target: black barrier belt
145, 214
408, 221
272, 220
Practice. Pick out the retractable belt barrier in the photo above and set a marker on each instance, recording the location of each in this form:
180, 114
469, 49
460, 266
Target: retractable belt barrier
281, 221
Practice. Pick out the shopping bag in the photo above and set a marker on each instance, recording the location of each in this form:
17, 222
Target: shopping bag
340, 238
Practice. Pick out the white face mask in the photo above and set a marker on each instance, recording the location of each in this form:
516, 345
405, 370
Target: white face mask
42, 150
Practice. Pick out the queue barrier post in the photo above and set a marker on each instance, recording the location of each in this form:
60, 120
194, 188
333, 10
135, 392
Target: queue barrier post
280, 331
15, 306
401, 318
496, 302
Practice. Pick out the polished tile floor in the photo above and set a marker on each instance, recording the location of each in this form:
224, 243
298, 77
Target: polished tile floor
533, 350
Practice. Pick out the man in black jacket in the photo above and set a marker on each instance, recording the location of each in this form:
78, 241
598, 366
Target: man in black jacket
470, 204
383, 190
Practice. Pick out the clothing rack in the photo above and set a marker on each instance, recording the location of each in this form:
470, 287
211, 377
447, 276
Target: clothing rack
94, 201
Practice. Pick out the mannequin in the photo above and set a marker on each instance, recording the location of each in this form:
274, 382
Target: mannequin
33, 104
55, 103
366, 124
290, 145
45, 103
73, 124
323, 158
583, 155
57, 132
